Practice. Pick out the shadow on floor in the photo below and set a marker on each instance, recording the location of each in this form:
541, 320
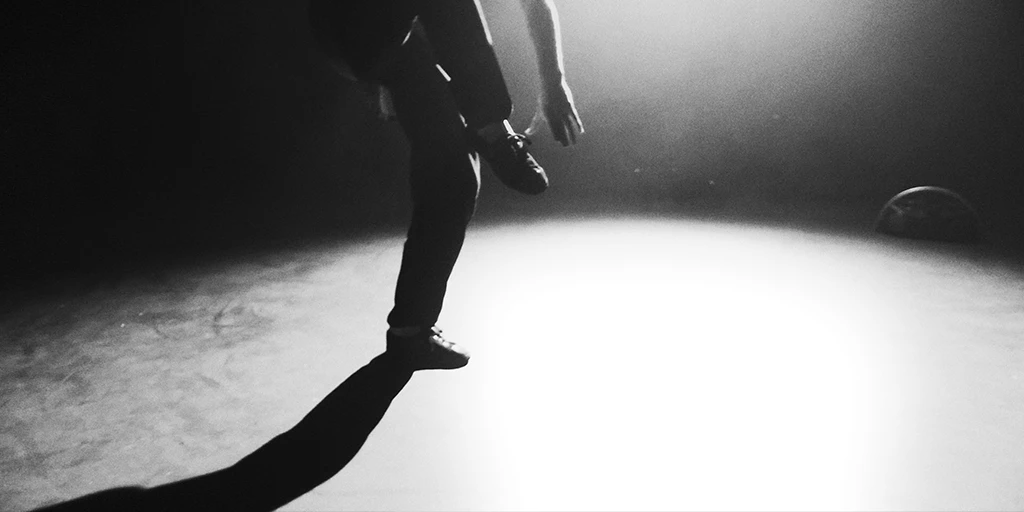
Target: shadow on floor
287, 467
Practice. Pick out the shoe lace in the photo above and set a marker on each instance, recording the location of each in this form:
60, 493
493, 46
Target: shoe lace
436, 333
519, 141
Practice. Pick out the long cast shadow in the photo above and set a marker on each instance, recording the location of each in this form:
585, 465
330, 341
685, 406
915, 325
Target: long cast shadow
287, 467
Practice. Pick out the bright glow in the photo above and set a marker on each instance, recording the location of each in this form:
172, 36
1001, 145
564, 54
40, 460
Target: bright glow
661, 365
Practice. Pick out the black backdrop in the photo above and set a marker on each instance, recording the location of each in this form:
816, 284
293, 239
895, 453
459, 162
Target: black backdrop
131, 130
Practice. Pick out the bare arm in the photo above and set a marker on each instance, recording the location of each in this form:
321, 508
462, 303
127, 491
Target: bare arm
556, 103
546, 32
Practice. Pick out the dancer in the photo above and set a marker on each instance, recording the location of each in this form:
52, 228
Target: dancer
434, 63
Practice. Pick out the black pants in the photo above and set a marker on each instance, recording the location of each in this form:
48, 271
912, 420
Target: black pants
377, 40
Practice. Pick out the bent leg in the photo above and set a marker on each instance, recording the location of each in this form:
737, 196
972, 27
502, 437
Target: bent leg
357, 35
362, 33
445, 181
459, 36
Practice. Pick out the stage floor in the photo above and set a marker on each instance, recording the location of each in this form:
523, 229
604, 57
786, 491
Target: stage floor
624, 363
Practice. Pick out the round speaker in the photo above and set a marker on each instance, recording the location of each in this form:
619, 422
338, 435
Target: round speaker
929, 213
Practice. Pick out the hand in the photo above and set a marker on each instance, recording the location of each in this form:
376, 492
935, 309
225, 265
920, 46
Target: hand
557, 108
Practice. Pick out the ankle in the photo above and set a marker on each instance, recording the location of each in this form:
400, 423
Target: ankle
404, 332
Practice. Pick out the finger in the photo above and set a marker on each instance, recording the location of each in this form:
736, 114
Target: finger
563, 135
578, 124
570, 137
557, 130
535, 123
574, 117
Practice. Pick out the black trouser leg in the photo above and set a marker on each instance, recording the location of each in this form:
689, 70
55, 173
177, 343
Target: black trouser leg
462, 43
434, 113
445, 181
363, 33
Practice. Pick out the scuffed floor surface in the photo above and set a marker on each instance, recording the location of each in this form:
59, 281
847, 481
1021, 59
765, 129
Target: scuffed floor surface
618, 364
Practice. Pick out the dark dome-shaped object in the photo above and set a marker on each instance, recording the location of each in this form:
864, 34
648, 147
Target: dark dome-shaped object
929, 213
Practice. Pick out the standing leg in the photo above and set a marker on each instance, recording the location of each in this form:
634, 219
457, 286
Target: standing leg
445, 172
445, 180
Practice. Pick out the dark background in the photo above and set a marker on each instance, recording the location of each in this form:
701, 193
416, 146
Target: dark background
131, 131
